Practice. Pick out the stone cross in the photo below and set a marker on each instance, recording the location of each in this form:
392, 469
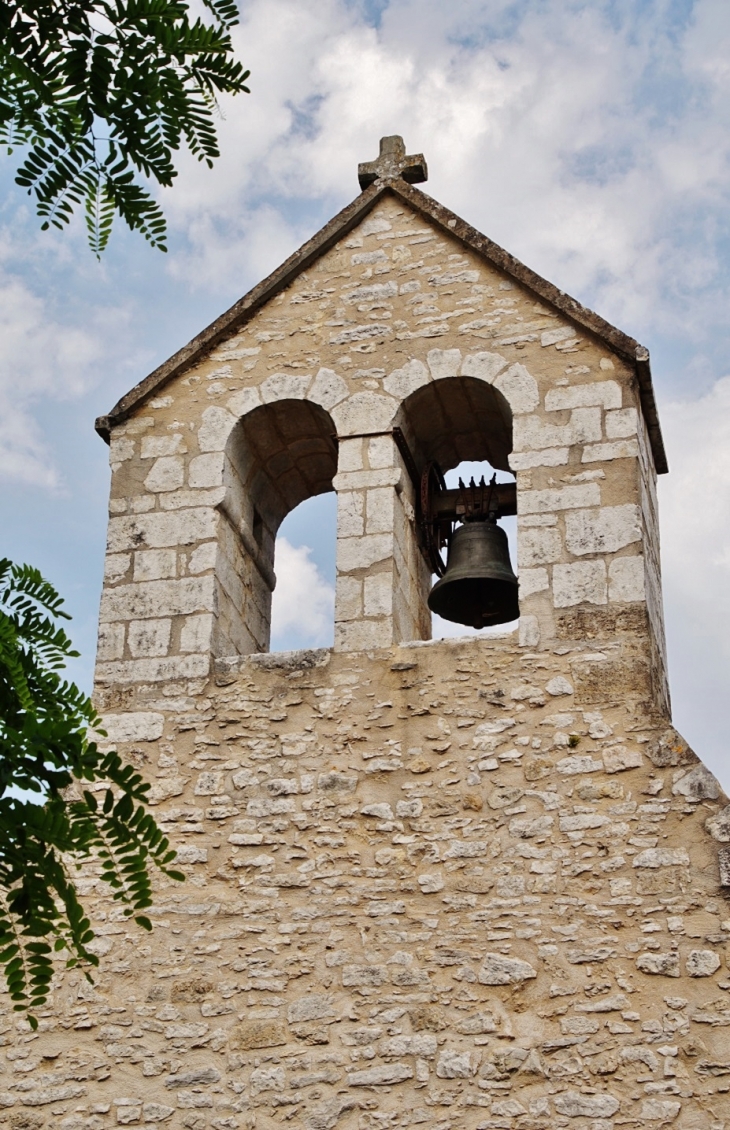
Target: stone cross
393, 163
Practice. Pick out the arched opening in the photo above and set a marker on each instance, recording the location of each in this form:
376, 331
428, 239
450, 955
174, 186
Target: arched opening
303, 603
457, 419
466, 471
278, 456
465, 426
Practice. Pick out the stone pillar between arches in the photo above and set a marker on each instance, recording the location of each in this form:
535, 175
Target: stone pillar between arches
382, 579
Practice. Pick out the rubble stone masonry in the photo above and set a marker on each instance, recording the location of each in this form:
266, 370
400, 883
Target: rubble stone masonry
457, 885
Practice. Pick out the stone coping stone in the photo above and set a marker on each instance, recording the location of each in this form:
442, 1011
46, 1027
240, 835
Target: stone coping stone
228, 666
451, 641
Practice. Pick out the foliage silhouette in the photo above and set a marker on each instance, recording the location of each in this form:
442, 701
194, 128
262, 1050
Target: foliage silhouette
102, 93
45, 749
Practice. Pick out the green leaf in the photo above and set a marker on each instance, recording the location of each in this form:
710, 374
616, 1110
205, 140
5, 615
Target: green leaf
44, 747
101, 112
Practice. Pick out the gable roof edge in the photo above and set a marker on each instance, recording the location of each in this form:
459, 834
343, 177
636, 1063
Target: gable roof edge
617, 340
243, 309
238, 314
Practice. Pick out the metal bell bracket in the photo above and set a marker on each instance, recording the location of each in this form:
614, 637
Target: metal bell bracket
440, 508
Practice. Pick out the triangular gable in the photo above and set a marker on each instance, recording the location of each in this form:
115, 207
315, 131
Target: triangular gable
443, 219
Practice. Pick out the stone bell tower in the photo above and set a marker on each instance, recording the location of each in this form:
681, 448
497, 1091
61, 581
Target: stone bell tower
475, 883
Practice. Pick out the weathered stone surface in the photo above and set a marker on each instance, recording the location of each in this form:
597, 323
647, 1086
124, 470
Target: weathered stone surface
558, 686
545, 457
167, 473
592, 623
445, 363
149, 637
364, 412
576, 1105
519, 389
560, 333
215, 428
702, 963
384, 1075
499, 970
698, 784
605, 452
621, 423
151, 447
259, 1034
719, 825
453, 1064
602, 679
626, 579
662, 857
602, 531
402, 382
327, 389
659, 964
532, 581
583, 582
285, 386
158, 598
605, 393
206, 470
184, 527
539, 547
660, 1110
618, 758
533, 432
135, 726
485, 366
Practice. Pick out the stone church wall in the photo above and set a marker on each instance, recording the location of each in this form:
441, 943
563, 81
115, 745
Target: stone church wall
459, 885
452, 884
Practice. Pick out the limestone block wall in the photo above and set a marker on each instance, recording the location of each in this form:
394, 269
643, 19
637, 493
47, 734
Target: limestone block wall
459, 885
397, 324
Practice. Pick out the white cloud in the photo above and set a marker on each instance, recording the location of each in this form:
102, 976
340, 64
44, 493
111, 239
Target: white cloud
39, 358
302, 613
592, 143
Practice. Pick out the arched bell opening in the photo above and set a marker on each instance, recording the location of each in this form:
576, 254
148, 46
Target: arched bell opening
278, 456
460, 432
303, 602
466, 472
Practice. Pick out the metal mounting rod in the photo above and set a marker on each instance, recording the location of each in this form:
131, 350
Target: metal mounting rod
448, 504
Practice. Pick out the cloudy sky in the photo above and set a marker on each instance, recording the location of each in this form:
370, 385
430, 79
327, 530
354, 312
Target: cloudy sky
590, 138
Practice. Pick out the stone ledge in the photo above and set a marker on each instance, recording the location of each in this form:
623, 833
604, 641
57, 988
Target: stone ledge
228, 667
452, 640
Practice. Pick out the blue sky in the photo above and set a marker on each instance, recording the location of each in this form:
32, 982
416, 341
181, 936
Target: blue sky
590, 139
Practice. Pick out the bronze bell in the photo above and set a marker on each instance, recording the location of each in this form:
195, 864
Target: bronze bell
478, 588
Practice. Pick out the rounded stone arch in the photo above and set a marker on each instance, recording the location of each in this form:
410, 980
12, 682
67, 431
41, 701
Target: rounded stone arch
458, 418
277, 455
448, 417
